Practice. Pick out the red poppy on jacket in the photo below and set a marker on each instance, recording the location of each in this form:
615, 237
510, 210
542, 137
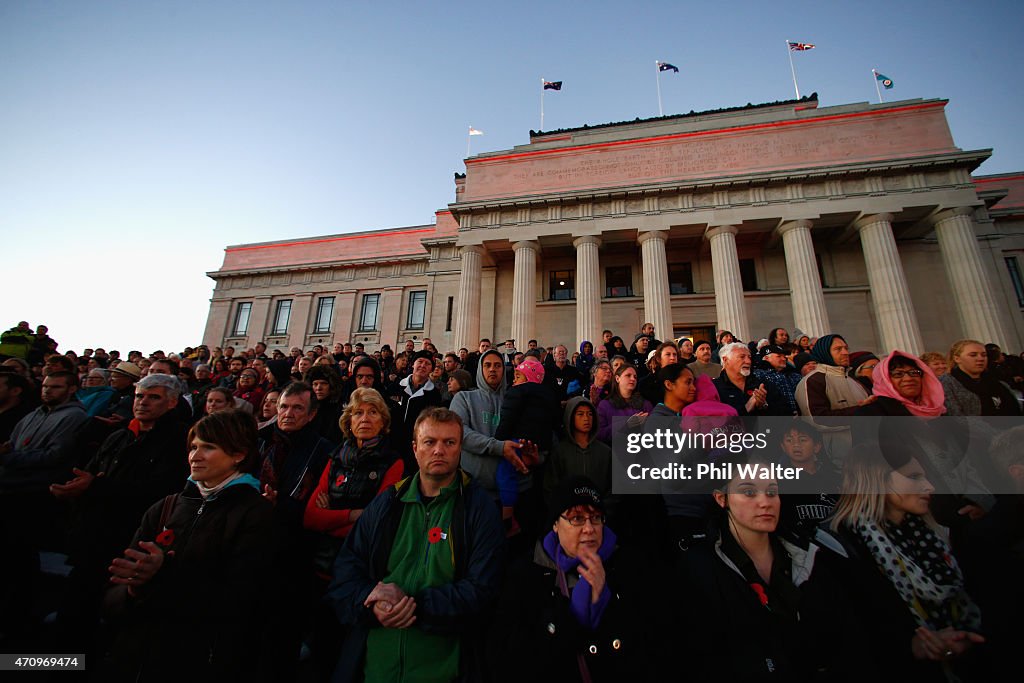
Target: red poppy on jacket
340, 480
165, 538
435, 535
761, 595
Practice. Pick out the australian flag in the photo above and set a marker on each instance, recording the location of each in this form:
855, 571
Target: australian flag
552, 85
800, 47
665, 66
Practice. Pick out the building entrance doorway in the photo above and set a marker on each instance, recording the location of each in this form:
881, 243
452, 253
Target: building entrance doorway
694, 332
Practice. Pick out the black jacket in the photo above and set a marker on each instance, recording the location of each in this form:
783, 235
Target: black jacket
205, 613
132, 472
732, 395
529, 411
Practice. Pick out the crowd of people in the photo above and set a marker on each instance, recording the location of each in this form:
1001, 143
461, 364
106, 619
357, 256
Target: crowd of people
416, 515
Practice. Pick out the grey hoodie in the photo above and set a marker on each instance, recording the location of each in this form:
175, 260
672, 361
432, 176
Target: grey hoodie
569, 459
44, 447
480, 410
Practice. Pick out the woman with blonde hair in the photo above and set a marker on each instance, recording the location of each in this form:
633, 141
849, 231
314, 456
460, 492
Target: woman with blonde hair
971, 389
892, 578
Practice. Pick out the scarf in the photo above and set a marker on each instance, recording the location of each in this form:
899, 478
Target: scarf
211, 492
821, 351
931, 402
351, 455
587, 613
917, 562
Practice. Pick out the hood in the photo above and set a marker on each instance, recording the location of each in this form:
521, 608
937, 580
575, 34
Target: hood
821, 351
584, 343
481, 385
571, 407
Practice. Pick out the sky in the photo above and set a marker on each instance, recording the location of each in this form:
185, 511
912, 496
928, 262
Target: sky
138, 139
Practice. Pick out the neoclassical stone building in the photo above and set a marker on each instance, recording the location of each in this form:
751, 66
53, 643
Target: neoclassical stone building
862, 219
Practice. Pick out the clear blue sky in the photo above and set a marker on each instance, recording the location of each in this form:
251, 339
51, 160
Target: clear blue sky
137, 139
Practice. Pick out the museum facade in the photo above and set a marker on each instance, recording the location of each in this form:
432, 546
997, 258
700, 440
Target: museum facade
862, 219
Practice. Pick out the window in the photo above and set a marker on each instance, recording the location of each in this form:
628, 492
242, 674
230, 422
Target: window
618, 281
242, 319
417, 310
448, 318
680, 278
324, 312
562, 285
281, 317
1018, 283
368, 314
821, 270
748, 274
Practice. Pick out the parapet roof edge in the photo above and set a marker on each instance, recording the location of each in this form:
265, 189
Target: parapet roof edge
376, 232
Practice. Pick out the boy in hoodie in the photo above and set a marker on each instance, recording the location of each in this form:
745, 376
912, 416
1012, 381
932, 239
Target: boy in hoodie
527, 412
581, 454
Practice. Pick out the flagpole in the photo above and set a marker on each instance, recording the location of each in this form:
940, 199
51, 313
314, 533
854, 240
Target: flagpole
877, 89
541, 103
657, 79
792, 69
469, 138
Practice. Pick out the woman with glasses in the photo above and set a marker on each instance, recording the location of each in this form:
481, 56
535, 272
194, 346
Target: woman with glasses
249, 390
739, 596
570, 613
905, 386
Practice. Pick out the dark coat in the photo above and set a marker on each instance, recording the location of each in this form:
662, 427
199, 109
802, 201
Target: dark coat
133, 472
529, 411
455, 608
732, 395
205, 613
535, 636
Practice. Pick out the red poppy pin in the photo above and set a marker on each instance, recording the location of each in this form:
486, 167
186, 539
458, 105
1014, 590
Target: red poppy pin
435, 535
340, 480
750, 392
761, 595
165, 538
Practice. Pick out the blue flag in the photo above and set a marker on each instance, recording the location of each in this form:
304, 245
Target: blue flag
884, 80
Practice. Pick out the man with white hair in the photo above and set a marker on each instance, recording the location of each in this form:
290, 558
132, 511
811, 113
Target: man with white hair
738, 387
134, 468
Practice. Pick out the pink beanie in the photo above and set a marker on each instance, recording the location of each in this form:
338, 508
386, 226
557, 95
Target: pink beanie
533, 370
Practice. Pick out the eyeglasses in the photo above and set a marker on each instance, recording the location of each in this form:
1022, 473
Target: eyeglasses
900, 374
580, 520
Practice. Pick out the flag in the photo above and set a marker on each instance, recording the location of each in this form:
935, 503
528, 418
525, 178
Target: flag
884, 80
665, 66
800, 47
552, 85
474, 131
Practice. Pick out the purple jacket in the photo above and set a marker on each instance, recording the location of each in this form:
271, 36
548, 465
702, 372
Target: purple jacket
606, 412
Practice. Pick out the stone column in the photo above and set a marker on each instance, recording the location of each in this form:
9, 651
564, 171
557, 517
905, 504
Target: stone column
344, 310
657, 305
299, 325
972, 290
809, 312
467, 313
894, 310
588, 289
524, 291
258, 319
725, 263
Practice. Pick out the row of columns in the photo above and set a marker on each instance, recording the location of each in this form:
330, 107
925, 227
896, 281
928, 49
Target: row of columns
894, 311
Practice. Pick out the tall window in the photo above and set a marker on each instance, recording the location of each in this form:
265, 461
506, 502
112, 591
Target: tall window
1018, 283
618, 281
417, 310
324, 312
562, 285
821, 270
282, 315
748, 274
368, 313
242, 319
680, 278
448, 317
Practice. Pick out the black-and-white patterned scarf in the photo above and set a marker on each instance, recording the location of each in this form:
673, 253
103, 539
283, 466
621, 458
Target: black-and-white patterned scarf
917, 562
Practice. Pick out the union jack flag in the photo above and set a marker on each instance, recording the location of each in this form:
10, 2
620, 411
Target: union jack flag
800, 47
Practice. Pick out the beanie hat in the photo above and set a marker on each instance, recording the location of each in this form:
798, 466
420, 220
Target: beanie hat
803, 359
423, 354
532, 369
572, 492
859, 358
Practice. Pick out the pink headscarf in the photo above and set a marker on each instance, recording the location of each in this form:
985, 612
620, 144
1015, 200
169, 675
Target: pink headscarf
932, 400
